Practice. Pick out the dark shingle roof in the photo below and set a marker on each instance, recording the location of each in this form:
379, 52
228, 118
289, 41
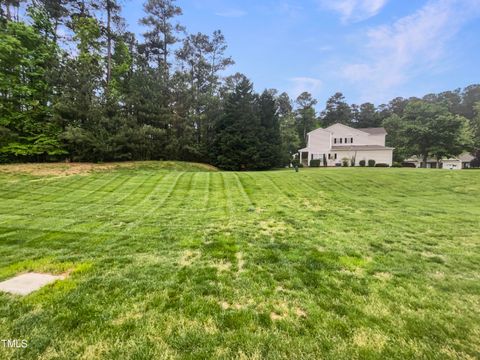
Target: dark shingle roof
374, 131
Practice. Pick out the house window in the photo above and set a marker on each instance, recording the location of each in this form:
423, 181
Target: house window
341, 140
335, 156
351, 140
346, 140
335, 140
329, 156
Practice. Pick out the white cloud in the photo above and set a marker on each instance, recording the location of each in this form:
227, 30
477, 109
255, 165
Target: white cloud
232, 13
412, 45
325, 48
301, 84
291, 10
354, 10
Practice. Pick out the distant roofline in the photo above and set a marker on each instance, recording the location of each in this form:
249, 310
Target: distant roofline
369, 131
463, 157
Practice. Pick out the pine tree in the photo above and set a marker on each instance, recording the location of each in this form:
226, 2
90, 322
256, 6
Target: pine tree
270, 140
306, 117
288, 130
237, 143
337, 111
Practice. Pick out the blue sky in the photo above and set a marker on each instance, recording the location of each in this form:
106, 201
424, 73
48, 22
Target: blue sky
371, 50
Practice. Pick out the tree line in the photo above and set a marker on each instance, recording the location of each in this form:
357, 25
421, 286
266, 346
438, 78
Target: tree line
76, 84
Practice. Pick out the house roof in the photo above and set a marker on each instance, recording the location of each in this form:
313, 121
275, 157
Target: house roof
371, 131
466, 157
374, 131
360, 147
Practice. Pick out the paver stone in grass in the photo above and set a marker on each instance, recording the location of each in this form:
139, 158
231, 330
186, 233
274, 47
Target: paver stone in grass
25, 284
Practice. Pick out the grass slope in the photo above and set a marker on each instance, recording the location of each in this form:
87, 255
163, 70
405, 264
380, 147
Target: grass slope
324, 263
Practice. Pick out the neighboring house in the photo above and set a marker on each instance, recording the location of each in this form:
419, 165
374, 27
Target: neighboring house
337, 142
454, 163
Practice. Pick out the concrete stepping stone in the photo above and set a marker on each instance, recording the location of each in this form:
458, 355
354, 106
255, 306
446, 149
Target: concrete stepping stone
25, 284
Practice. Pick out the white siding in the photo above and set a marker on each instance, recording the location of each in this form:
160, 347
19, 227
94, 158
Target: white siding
452, 164
377, 139
380, 156
319, 141
340, 131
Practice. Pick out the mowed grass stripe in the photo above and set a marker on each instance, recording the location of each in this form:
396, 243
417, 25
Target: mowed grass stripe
218, 200
207, 192
130, 190
43, 187
241, 187
157, 200
90, 210
127, 217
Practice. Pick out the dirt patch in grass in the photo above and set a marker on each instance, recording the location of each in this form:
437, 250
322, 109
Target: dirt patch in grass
367, 338
384, 276
61, 169
240, 262
273, 227
72, 168
189, 257
222, 265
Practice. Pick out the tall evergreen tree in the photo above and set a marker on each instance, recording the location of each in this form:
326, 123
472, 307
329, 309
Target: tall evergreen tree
237, 142
269, 135
112, 9
57, 12
288, 129
306, 116
202, 58
475, 126
80, 108
367, 116
162, 33
337, 111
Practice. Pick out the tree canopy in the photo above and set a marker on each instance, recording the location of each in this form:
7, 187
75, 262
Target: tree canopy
76, 85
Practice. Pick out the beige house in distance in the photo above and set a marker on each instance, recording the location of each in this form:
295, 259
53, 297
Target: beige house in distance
454, 163
336, 142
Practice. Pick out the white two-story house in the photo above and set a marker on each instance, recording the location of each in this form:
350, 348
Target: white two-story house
337, 142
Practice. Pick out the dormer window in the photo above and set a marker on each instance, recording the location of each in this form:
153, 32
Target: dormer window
351, 140
335, 140
341, 140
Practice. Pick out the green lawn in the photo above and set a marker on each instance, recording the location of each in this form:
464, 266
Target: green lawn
196, 264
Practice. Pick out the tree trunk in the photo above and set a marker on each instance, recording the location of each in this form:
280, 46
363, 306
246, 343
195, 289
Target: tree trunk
109, 43
165, 53
425, 159
55, 32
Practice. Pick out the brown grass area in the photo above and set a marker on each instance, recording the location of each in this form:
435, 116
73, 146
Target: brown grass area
73, 168
61, 169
